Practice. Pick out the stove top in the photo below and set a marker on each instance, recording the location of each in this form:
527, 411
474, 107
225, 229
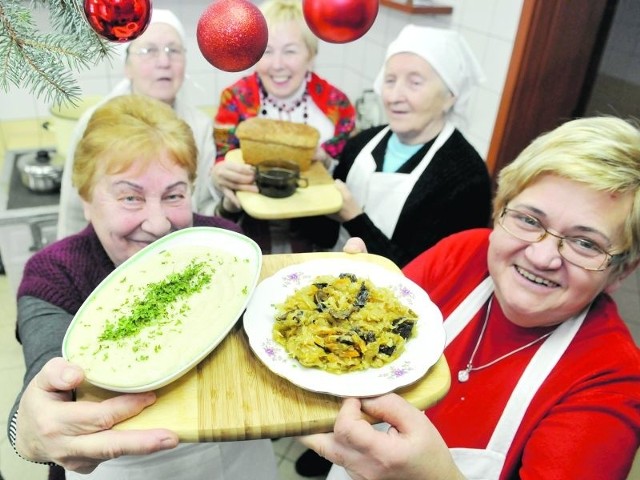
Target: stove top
16, 194
17, 202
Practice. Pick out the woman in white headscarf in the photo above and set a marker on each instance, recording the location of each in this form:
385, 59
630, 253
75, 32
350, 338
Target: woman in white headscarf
410, 183
155, 65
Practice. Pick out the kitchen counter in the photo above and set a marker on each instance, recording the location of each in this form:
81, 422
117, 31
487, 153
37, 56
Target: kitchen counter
24, 134
22, 230
29, 133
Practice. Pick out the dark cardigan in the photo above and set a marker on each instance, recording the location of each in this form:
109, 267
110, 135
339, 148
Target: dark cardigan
452, 194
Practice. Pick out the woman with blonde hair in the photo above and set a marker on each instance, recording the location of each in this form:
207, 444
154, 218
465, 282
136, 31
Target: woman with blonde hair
154, 66
545, 373
282, 87
135, 166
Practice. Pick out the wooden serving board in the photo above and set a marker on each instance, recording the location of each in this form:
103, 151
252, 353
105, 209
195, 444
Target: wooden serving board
321, 197
231, 395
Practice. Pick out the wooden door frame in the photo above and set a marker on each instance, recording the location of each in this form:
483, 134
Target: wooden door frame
553, 66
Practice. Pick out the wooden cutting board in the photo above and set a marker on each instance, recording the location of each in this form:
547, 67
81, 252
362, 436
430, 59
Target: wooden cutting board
231, 395
321, 197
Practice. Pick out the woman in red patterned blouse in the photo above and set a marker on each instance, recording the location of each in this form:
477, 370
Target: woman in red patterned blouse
283, 87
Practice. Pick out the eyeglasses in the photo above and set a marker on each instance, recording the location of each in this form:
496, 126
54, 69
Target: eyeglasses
580, 251
153, 52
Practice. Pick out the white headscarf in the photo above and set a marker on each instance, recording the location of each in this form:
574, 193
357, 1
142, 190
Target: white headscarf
449, 55
159, 15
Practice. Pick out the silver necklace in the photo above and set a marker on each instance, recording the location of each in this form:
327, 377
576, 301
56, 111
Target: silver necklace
463, 375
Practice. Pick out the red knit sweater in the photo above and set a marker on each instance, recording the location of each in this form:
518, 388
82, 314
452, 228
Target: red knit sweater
583, 423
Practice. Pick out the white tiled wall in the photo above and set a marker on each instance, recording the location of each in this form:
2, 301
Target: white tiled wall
488, 25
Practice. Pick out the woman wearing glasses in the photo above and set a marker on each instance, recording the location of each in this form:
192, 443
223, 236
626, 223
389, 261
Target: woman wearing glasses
154, 67
545, 375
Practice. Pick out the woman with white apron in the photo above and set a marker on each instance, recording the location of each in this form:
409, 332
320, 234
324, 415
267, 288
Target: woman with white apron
246, 460
419, 170
416, 180
383, 194
545, 375
485, 464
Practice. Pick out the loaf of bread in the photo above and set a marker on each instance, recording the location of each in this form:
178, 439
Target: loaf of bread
265, 139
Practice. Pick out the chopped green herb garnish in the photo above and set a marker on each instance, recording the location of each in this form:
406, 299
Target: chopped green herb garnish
153, 307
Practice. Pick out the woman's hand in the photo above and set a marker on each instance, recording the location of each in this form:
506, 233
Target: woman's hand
350, 207
320, 155
411, 448
77, 435
228, 177
354, 245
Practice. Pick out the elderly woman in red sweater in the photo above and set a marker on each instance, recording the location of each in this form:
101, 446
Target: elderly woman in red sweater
545, 373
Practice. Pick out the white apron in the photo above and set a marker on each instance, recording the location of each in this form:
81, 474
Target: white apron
382, 194
246, 460
486, 464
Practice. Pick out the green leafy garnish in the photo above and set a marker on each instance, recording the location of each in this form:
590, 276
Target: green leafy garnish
153, 307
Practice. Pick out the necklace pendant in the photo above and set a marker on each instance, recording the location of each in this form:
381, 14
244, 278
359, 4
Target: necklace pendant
463, 375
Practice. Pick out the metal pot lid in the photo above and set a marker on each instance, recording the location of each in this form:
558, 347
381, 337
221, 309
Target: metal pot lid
38, 164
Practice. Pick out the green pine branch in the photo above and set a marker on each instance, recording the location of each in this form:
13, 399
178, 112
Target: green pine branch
44, 62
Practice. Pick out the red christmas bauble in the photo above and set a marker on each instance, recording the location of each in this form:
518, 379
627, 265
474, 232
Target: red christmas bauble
340, 21
232, 34
118, 20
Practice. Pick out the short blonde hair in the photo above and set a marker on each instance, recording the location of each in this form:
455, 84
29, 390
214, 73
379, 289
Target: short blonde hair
600, 152
131, 129
277, 12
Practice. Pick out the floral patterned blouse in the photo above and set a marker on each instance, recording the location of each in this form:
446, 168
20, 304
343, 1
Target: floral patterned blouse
242, 100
